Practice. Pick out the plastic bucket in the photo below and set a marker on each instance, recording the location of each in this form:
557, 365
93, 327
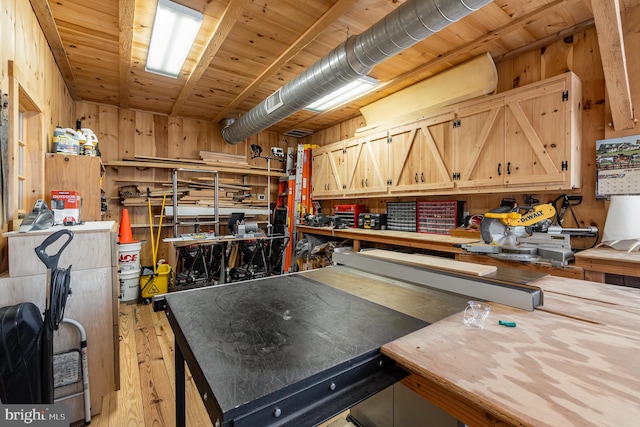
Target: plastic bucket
129, 285
155, 284
129, 257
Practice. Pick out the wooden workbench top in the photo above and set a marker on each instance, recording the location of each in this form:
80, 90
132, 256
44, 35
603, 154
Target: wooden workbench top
573, 361
609, 254
437, 242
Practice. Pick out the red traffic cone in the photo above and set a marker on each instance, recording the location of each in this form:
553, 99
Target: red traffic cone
125, 234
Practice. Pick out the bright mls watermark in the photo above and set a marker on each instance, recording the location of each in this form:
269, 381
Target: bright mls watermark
34, 415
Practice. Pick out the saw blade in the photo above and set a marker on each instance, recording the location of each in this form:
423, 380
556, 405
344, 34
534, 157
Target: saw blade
492, 230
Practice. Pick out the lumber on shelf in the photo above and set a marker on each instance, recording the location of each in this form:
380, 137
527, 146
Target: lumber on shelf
201, 167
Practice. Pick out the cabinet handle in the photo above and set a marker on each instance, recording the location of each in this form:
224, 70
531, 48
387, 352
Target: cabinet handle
362, 183
416, 177
366, 182
421, 176
499, 169
508, 168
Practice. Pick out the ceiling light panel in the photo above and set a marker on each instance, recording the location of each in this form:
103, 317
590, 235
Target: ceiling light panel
175, 28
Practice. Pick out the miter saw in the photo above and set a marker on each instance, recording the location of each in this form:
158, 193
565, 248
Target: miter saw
527, 233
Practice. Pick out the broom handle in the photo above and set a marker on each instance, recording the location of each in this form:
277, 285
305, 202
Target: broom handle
164, 198
151, 228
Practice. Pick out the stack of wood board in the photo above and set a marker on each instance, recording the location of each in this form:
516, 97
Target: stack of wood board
210, 157
199, 191
432, 262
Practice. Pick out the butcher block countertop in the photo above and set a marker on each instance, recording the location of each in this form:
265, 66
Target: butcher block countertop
573, 362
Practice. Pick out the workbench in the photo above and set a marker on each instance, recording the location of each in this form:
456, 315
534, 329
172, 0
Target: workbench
597, 262
573, 361
434, 242
570, 271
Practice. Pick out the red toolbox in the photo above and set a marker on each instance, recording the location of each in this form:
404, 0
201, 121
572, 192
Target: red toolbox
349, 213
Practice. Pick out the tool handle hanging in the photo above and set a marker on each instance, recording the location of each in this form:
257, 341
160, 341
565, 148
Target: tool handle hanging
51, 261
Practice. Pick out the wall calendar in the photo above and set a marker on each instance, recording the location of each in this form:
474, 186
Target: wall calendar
618, 166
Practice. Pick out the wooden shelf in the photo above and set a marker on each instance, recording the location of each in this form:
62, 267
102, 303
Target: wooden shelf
223, 169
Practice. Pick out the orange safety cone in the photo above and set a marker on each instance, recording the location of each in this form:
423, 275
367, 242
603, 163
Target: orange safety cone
125, 234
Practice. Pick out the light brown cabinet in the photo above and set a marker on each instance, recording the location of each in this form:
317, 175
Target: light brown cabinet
366, 161
525, 139
328, 171
421, 155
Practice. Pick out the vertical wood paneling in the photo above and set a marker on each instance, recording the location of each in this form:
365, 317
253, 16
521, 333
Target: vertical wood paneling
35, 70
7, 40
161, 133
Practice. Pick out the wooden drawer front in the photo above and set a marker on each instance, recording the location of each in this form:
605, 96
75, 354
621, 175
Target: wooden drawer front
86, 251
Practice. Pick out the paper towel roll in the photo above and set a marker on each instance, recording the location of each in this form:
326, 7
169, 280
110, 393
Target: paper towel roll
622, 227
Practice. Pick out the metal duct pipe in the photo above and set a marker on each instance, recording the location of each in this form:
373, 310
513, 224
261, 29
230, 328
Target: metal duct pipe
408, 24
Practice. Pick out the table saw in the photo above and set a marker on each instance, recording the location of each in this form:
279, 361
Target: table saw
299, 349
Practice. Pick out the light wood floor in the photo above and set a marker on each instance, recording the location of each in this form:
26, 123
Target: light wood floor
147, 376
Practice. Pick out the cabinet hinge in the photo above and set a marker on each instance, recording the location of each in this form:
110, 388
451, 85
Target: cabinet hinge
565, 96
565, 165
456, 123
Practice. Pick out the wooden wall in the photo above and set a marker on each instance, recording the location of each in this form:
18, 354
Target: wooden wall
580, 54
27, 66
123, 134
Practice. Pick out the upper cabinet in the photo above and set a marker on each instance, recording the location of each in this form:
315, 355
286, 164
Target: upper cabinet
367, 163
526, 139
328, 171
421, 155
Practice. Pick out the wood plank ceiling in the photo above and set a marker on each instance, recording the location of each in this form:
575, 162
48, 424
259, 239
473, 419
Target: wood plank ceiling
246, 49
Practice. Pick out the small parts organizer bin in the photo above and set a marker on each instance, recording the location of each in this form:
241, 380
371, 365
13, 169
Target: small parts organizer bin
439, 217
401, 216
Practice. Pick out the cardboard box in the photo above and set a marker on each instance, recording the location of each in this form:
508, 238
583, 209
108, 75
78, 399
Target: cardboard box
66, 206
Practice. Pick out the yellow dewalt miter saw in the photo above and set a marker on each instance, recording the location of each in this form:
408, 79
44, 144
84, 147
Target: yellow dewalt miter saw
527, 233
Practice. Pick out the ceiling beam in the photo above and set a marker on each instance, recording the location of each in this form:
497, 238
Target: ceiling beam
228, 19
50, 31
485, 39
466, 48
546, 41
606, 14
328, 18
127, 8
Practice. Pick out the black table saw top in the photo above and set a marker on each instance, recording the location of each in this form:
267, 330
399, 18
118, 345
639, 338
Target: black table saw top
251, 344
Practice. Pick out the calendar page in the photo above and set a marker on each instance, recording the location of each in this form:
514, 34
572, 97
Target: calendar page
618, 166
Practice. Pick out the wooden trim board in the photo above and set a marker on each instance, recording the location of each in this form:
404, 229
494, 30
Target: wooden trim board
433, 261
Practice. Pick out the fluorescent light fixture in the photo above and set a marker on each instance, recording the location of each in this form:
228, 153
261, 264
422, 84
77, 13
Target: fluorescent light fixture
174, 29
349, 91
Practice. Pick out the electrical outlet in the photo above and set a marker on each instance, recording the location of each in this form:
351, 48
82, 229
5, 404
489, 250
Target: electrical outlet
262, 197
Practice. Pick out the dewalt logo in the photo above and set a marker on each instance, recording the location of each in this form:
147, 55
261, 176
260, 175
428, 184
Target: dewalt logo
530, 216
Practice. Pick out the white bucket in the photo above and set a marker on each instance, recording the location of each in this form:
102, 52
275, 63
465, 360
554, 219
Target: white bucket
129, 257
129, 285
